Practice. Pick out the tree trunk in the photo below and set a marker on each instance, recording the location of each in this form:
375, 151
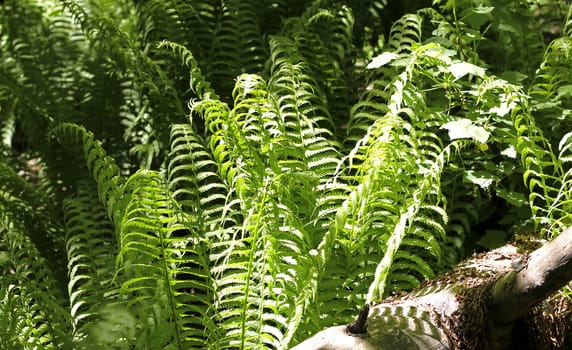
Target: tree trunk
503, 299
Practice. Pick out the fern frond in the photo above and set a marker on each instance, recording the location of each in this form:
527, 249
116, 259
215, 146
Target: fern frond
33, 308
24, 204
193, 177
268, 262
567, 28
190, 24
195, 183
405, 34
560, 206
372, 105
543, 172
394, 172
550, 89
302, 106
197, 81
102, 168
265, 258
323, 36
148, 84
163, 267
7, 126
91, 248
237, 46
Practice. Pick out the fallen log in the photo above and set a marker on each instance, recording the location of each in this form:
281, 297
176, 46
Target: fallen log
504, 299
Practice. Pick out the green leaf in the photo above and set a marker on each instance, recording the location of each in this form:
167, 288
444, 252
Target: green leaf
516, 199
461, 69
382, 60
513, 76
565, 90
482, 178
484, 9
464, 129
509, 152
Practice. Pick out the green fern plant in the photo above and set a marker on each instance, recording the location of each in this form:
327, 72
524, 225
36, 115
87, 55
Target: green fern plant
240, 174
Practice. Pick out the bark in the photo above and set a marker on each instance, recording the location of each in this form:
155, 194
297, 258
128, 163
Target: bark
491, 301
548, 269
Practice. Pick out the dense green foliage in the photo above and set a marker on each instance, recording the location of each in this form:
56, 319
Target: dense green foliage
239, 174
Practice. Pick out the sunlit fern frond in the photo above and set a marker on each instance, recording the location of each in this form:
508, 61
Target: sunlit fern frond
395, 212
302, 107
263, 159
193, 175
563, 201
567, 28
269, 260
372, 104
551, 89
543, 172
195, 182
405, 33
308, 133
8, 124
163, 262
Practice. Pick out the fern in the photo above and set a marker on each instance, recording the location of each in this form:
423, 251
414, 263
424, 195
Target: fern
272, 237
33, 303
301, 109
237, 34
323, 36
542, 171
197, 81
550, 86
149, 234
373, 102
239, 174
193, 177
191, 25
101, 167
33, 212
91, 247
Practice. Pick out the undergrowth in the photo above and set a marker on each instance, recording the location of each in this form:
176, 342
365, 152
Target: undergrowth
240, 174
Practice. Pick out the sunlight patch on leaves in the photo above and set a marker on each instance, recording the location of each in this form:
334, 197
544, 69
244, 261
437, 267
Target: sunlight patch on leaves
465, 129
